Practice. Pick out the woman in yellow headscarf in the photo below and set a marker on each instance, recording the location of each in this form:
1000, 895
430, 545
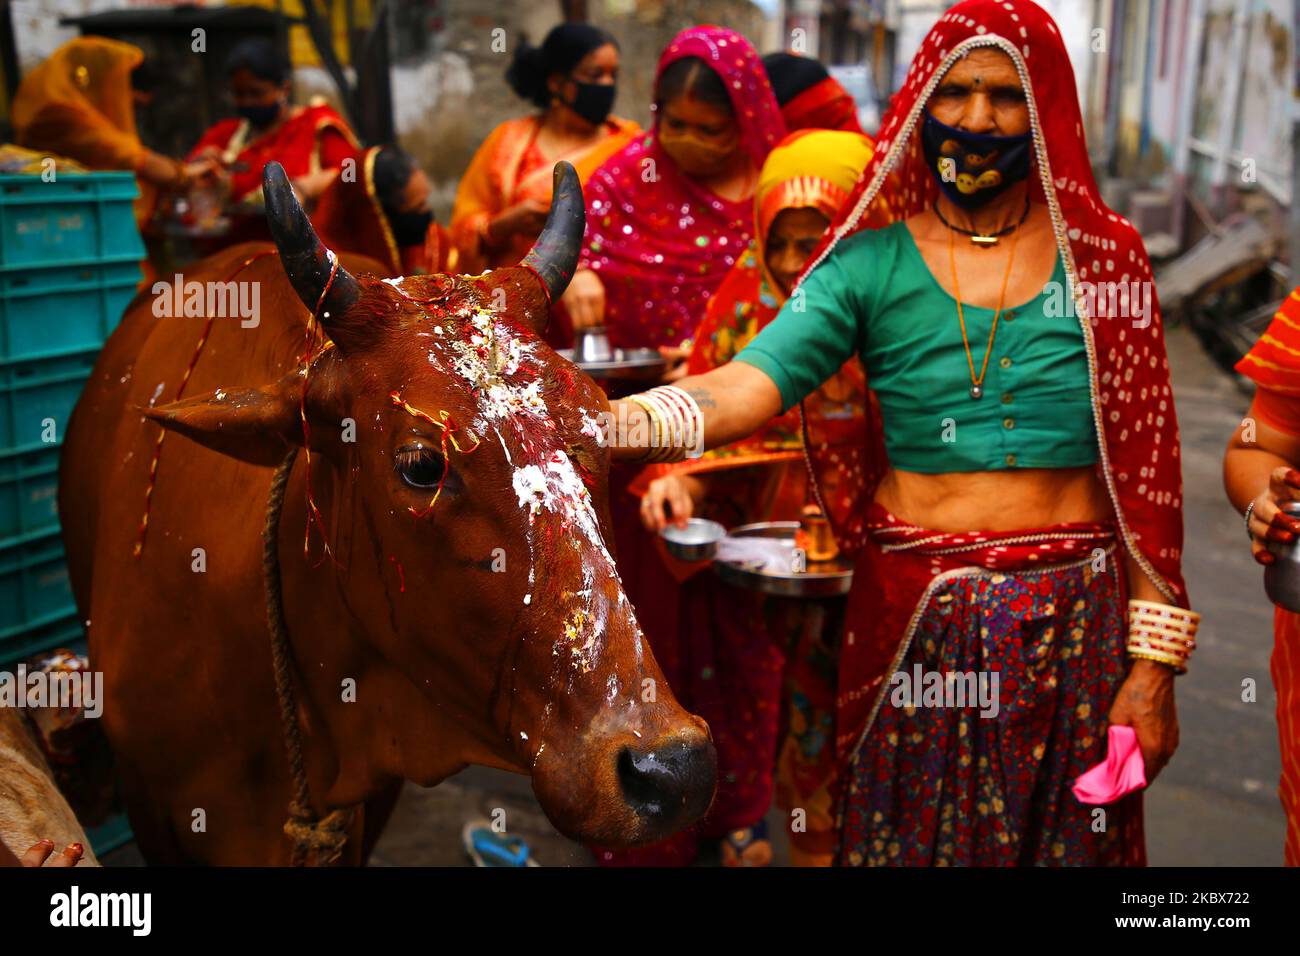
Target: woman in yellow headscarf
80, 104
730, 661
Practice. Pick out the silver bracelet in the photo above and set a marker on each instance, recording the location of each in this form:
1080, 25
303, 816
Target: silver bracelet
1250, 510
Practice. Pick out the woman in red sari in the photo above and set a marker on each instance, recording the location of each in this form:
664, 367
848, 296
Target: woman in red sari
310, 142
733, 642
1019, 479
1260, 473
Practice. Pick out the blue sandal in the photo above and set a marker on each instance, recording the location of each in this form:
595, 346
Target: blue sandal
487, 847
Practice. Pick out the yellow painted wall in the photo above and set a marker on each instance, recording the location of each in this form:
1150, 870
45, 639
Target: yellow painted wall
301, 50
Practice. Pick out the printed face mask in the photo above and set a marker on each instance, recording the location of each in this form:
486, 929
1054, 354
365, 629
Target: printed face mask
973, 168
593, 101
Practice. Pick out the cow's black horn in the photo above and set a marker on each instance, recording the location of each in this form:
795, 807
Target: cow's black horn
554, 255
305, 259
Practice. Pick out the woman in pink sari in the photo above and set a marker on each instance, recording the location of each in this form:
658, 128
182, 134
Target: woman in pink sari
667, 218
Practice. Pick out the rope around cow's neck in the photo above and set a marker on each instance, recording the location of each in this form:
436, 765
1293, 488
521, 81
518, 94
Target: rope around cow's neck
310, 835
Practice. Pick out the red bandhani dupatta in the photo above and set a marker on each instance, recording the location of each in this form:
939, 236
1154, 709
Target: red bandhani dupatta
1133, 406
660, 242
824, 105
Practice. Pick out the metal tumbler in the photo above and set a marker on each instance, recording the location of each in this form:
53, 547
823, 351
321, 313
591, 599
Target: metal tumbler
1282, 577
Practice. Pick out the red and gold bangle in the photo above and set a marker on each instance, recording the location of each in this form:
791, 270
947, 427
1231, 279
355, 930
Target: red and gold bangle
1162, 633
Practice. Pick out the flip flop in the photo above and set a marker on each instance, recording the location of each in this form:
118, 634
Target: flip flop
487, 847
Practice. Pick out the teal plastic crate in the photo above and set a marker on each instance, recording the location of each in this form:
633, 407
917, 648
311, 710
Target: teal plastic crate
36, 391
34, 588
55, 309
29, 494
65, 631
78, 218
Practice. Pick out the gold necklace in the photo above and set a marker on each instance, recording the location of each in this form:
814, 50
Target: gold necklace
977, 384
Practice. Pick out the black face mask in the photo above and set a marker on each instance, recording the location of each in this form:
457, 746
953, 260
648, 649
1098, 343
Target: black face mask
410, 228
593, 101
973, 168
260, 116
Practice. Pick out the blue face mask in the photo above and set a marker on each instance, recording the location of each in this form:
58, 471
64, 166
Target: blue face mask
973, 168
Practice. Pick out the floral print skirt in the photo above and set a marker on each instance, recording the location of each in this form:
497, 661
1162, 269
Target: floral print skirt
939, 780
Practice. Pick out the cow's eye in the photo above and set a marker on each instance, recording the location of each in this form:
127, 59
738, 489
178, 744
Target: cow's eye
420, 467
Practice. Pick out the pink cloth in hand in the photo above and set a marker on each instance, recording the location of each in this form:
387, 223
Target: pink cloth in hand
1121, 772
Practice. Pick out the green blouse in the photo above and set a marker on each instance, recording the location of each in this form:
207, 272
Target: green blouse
874, 295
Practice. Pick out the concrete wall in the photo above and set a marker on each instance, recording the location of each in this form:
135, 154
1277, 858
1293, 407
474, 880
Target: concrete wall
447, 102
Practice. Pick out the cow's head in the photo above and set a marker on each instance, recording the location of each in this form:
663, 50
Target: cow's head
495, 608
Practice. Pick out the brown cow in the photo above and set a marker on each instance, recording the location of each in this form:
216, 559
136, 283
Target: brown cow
489, 627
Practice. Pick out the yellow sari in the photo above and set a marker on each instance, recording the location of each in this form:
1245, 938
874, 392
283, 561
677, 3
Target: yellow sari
78, 104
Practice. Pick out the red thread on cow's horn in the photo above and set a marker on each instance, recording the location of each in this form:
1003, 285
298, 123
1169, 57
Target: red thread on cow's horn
143, 530
308, 359
449, 430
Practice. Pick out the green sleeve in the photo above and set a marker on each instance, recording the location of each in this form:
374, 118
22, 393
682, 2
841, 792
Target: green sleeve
816, 331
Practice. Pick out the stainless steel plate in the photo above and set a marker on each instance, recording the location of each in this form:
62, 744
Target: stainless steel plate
821, 579
627, 364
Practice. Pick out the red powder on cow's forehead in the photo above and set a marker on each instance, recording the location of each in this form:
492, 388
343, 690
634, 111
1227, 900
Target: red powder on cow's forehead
447, 424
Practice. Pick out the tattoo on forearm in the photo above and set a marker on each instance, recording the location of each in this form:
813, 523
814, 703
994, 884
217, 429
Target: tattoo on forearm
702, 397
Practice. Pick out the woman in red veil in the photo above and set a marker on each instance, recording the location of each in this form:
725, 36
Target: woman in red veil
1013, 505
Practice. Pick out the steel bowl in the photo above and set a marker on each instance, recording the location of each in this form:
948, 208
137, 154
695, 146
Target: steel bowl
698, 541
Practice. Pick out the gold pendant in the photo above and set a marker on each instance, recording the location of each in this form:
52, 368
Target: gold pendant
984, 240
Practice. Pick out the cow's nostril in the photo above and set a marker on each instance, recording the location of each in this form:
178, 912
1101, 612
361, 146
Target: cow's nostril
670, 787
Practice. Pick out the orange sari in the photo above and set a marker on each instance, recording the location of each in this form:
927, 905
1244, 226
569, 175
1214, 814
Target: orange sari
509, 168
78, 104
1274, 365
350, 218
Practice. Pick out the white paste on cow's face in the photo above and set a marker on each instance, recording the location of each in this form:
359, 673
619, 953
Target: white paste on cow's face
505, 376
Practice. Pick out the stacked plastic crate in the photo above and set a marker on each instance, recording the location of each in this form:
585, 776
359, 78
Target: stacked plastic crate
69, 263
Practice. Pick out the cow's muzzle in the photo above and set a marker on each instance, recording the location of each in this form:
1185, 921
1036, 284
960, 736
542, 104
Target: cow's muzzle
670, 786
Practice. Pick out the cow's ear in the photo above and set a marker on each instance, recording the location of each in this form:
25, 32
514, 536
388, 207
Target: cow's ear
259, 425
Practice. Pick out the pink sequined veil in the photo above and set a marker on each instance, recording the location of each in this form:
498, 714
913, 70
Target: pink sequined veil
660, 242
